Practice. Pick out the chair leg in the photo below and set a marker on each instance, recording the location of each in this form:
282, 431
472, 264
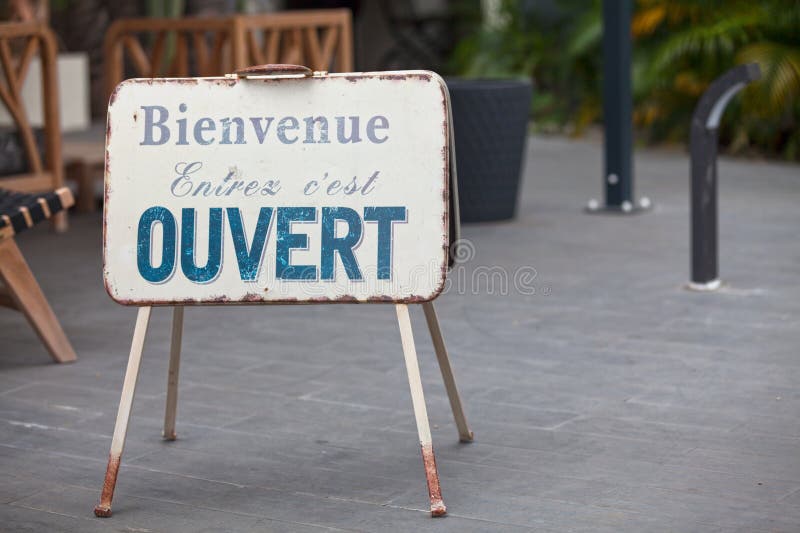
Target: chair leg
103, 509
60, 222
28, 298
5, 298
464, 433
80, 172
172, 379
420, 411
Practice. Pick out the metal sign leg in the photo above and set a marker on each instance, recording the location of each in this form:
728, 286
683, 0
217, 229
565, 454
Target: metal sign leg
103, 509
172, 379
464, 433
420, 411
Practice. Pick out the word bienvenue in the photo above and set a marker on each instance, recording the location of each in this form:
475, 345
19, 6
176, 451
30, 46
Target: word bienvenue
159, 130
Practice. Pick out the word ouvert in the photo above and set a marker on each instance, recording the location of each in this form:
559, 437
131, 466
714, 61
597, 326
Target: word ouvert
178, 244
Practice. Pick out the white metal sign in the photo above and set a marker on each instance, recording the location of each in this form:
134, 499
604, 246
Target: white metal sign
277, 189
287, 188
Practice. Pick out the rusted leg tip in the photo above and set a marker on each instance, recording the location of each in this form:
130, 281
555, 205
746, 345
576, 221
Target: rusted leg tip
102, 511
467, 438
438, 509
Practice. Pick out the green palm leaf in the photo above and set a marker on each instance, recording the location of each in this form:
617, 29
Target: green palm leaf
780, 67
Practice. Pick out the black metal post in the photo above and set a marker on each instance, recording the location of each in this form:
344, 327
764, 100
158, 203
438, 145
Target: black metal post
617, 111
703, 141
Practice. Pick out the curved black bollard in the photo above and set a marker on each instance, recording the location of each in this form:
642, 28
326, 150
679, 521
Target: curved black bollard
703, 148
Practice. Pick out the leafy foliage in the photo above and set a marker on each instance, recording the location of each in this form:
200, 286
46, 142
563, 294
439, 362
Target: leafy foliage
562, 61
680, 47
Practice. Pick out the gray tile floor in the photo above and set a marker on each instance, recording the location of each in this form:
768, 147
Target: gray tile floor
609, 400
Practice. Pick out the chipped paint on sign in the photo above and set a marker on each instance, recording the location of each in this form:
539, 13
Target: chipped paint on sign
331, 188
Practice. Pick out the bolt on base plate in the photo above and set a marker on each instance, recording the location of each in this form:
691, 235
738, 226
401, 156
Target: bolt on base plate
593, 206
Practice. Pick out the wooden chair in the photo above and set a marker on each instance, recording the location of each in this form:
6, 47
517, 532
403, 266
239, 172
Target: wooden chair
213, 46
19, 44
18, 287
166, 47
19, 209
317, 39
210, 46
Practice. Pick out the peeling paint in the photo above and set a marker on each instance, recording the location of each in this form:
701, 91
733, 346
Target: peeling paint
103, 509
432, 475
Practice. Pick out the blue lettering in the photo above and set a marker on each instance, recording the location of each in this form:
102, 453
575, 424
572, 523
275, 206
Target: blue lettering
384, 216
287, 240
200, 127
375, 123
188, 237
226, 130
249, 259
149, 124
343, 245
287, 124
323, 130
261, 133
144, 258
354, 137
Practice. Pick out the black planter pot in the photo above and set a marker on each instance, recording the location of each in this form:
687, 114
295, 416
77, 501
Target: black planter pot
490, 123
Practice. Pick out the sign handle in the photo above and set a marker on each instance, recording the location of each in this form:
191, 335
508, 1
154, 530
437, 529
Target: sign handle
103, 509
464, 433
172, 379
420, 411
